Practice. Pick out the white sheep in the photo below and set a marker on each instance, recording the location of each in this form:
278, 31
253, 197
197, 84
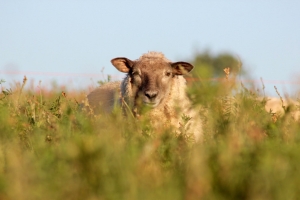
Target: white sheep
275, 105
152, 83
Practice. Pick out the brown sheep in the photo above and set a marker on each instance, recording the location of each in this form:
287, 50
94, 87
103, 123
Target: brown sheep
152, 82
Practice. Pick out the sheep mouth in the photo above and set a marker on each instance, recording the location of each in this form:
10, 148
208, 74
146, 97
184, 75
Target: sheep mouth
151, 104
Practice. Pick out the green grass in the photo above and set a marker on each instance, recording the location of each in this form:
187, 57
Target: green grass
50, 149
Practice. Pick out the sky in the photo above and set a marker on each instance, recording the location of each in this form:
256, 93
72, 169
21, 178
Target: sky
72, 42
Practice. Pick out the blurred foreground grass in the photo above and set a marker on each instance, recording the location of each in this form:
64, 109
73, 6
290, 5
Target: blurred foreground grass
49, 149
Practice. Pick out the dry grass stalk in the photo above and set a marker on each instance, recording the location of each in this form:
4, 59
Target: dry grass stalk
281, 99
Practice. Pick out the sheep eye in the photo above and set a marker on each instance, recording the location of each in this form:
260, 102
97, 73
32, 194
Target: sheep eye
168, 73
136, 77
135, 74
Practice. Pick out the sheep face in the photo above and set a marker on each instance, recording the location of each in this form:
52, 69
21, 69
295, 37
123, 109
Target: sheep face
150, 78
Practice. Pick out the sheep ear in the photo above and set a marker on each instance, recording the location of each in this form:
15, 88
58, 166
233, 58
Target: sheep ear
122, 64
181, 68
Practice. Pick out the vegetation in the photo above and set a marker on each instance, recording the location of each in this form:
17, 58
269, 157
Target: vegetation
51, 149
210, 65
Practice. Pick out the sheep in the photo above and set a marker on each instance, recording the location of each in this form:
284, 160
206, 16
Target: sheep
102, 99
152, 83
275, 105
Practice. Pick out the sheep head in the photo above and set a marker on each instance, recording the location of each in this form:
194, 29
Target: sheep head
150, 77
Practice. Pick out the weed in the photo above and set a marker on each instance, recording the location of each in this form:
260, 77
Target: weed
49, 149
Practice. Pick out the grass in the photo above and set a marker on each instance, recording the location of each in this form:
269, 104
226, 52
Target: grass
50, 149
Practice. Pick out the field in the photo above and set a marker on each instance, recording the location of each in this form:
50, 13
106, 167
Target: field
51, 149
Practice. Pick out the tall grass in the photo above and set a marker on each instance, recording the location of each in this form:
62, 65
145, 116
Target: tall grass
51, 149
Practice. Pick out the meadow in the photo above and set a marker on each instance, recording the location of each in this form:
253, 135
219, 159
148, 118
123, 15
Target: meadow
52, 149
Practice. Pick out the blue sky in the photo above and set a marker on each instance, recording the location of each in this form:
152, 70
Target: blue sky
71, 41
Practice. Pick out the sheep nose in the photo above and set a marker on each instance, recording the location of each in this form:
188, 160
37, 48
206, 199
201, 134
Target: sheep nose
151, 94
